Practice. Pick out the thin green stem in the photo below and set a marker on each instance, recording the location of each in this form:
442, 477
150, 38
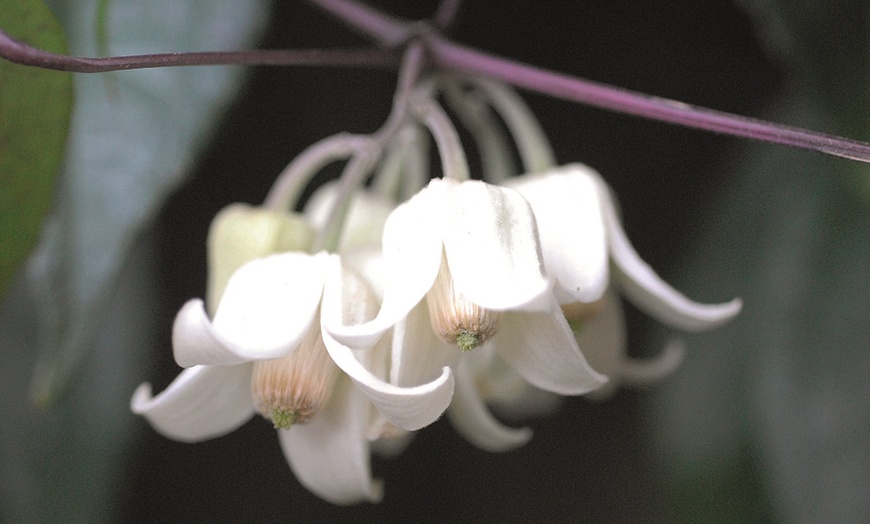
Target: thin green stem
492, 144
292, 181
453, 161
534, 148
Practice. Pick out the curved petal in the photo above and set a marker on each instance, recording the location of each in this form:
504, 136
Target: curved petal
330, 454
412, 255
195, 341
602, 341
541, 348
409, 408
471, 418
491, 243
347, 298
570, 228
265, 311
418, 356
649, 292
643, 371
203, 402
506, 393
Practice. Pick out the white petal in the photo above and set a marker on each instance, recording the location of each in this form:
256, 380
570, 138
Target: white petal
330, 454
491, 243
602, 341
643, 371
195, 341
203, 402
412, 255
418, 356
347, 299
541, 348
652, 294
507, 393
570, 228
366, 215
410, 408
265, 311
471, 418
389, 446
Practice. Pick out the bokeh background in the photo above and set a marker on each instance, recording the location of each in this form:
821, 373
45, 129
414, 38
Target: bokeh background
768, 419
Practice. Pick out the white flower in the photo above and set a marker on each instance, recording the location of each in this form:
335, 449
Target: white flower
470, 249
264, 351
582, 241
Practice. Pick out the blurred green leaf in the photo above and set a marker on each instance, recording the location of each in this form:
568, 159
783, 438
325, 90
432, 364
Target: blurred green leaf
35, 107
131, 142
786, 384
85, 305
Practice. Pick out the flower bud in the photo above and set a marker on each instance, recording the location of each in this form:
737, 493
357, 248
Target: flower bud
240, 233
292, 389
455, 319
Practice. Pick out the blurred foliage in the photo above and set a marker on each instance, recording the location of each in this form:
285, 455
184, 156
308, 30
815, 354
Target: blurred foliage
85, 307
35, 108
780, 395
134, 135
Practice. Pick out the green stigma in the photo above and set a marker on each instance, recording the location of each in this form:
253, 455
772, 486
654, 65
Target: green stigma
284, 419
467, 340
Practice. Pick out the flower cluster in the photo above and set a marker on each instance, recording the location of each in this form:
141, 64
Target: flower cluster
376, 310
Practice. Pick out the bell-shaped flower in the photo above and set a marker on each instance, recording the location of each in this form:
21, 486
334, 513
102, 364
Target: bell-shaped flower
263, 351
462, 268
582, 242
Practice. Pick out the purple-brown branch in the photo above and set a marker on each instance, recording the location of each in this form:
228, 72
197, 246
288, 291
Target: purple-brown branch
395, 33
21, 53
469, 61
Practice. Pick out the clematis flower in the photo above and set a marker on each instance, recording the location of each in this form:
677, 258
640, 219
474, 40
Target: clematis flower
263, 351
462, 269
587, 252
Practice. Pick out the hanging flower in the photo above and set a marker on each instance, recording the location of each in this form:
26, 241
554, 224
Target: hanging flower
263, 351
462, 269
587, 252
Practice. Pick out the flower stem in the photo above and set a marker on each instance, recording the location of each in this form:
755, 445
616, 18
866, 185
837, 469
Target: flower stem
453, 162
292, 181
534, 148
492, 144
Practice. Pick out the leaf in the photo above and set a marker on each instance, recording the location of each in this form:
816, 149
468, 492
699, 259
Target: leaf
131, 142
788, 380
786, 383
90, 306
35, 108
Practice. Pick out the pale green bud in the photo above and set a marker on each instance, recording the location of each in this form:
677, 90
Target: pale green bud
240, 233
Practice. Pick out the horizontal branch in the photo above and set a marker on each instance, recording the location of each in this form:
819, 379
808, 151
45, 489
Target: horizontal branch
469, 61
21, 53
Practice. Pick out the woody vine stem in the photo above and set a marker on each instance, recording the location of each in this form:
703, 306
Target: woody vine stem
394, 35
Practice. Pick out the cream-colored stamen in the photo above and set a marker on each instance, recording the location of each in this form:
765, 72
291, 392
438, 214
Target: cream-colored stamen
455, 319
292, 389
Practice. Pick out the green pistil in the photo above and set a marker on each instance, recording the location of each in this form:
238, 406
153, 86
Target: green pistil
284, 419
467, 340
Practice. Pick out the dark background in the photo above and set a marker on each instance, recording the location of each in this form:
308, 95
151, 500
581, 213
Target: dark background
589, 462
